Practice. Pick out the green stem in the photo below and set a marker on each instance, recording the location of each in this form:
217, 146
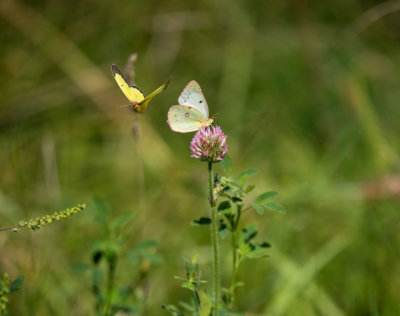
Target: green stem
234, 258
112, 264
197, 300
214, 238
234, 227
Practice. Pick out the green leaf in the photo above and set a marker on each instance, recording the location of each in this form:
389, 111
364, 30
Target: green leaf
80, 267
146, 244
258, 208
195, 257
201, 221
274, 206
192, 269
224, 205
172, 309
248, 172
248, 233
223, 229
101, 212
133, 258
257, 252
249, 188
17, 283
121, 220
205, 303
225, 312
265, 196
238, 284
189, 307
188, 285
154, 258
242, 177
226, 164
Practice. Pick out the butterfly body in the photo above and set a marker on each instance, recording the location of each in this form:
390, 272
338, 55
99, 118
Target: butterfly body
138, 102
192, 111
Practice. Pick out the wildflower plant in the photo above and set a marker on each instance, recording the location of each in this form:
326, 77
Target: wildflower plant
228, 200
111, 252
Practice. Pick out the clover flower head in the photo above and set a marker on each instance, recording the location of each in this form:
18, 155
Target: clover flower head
209, 144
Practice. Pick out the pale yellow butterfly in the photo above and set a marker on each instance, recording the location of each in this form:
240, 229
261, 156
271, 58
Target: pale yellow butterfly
192, 111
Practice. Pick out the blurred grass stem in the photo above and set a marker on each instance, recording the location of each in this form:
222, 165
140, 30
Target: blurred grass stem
214, 237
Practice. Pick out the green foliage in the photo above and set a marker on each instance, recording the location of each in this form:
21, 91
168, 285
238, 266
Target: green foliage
110, 250
7, 288
202, 302
17, 283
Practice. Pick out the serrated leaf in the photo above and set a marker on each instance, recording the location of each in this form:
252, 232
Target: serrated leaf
274, 206
201, 221
258, 208
265, 196
172, 309
226, 164
16, 284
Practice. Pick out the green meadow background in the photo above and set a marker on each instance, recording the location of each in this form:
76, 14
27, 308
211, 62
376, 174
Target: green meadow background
308, 92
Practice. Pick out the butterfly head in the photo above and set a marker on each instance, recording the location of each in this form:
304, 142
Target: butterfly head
206, 122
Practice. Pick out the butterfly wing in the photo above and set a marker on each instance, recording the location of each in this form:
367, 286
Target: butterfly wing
185, 119
124, 86
146, 100
194, 97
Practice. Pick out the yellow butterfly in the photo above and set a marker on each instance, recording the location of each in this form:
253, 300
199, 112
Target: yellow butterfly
138, 102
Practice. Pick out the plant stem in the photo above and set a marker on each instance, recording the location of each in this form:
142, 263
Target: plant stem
234, 258
8, 228
197, 300
234, 227
214, 238
112, 264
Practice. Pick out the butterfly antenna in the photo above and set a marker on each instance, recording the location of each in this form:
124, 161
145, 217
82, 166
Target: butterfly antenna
122, 106
215, 115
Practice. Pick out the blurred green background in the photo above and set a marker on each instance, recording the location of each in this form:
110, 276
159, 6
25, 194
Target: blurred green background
309, 94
